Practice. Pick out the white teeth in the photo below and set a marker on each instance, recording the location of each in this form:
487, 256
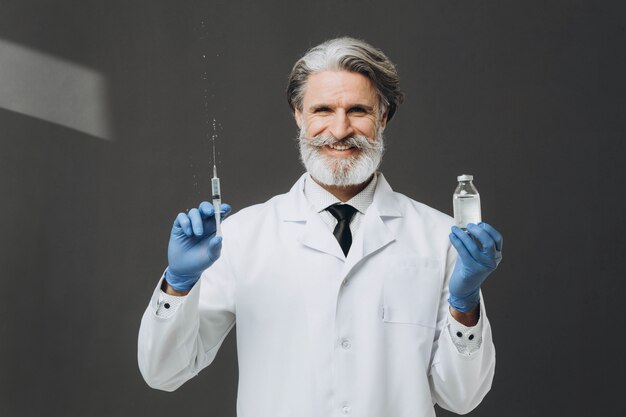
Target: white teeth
340, 147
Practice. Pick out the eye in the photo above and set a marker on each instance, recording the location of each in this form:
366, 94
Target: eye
357, 109
321, 110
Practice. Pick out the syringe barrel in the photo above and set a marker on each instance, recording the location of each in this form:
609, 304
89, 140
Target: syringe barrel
218, 216
215, 188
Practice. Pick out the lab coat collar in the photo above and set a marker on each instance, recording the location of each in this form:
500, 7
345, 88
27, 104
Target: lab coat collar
385, 200
296, 208
376, 234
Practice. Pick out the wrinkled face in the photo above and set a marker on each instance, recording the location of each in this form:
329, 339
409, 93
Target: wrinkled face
341, 128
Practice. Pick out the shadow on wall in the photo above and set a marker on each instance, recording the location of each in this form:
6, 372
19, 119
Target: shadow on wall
51, 89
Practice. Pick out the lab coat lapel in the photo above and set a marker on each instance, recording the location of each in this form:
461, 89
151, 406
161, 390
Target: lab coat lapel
376, 234
314, 233
317, 236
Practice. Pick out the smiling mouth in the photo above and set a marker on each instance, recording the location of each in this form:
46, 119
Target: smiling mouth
340, 147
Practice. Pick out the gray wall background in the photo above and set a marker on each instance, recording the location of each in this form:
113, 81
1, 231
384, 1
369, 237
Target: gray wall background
529, 96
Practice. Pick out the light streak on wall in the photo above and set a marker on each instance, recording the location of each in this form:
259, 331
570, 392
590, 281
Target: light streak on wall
52, 89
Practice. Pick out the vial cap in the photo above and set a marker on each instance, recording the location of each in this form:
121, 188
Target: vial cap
465, 177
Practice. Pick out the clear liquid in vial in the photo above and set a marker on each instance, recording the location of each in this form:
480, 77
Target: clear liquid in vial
466, 209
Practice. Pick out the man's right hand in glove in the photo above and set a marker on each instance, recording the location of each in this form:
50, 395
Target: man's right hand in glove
193, 247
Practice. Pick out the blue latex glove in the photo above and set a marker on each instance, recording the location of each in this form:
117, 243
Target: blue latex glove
193, 246
474, 263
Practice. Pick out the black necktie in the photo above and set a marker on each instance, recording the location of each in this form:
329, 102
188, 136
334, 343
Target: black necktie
343, 213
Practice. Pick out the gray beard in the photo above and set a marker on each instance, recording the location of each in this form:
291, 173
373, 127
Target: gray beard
340, 171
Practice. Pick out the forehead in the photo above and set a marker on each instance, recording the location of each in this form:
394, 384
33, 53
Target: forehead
339, 87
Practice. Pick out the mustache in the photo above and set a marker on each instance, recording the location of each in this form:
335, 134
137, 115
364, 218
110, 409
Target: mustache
357, 141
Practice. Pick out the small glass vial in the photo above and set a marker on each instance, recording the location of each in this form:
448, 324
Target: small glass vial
466, 202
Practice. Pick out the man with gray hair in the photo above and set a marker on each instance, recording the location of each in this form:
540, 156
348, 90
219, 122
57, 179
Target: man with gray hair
349, 298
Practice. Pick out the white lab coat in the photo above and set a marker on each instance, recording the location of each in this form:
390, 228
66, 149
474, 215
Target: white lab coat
318, 334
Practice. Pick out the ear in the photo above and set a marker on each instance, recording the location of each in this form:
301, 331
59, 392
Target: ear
298, 116
383, 120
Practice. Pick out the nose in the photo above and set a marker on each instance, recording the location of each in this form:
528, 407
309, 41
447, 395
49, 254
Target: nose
340, 126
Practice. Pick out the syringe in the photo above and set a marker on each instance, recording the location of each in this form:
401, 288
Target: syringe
217, 201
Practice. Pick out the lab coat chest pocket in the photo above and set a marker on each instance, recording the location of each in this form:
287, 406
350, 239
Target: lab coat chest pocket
412, 291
